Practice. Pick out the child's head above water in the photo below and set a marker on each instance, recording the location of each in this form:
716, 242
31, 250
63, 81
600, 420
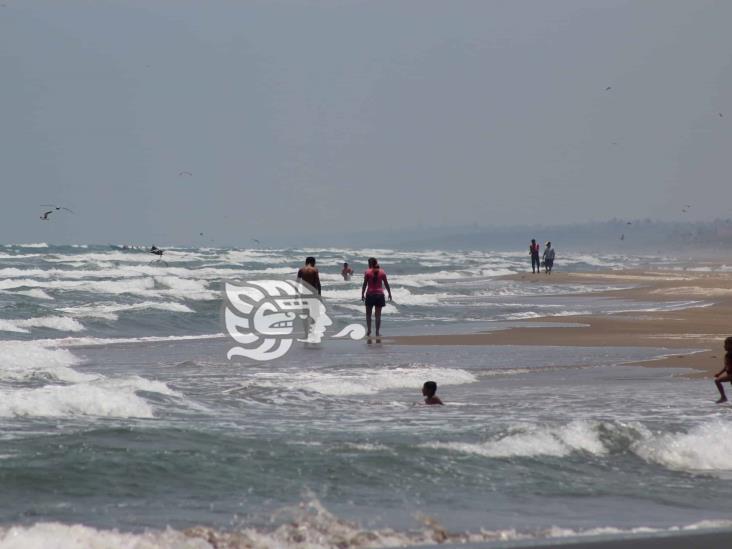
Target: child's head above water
429, 389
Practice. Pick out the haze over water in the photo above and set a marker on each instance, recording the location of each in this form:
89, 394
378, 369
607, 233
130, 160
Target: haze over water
120, 410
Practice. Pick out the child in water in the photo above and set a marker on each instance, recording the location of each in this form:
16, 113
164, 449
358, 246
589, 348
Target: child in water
428, 391
725, 374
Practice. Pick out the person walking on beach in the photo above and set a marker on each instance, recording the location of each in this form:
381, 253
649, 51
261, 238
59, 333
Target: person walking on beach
534, 253
548, 258
374, 280
725, 374
310, 274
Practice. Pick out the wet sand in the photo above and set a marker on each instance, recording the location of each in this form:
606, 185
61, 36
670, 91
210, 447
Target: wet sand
684, 540
701, 327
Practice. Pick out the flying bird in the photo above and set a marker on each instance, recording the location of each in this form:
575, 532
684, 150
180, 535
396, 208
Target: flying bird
608, 88
189, 174
720, 115
629, 223
255, 240
56, 208
45, 215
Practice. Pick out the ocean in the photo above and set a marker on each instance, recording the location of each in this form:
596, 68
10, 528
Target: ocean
123, 421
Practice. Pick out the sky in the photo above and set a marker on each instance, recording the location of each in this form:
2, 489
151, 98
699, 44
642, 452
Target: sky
158, 120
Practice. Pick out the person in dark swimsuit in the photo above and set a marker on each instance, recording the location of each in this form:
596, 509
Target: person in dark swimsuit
725, 374
310, 274
428, 392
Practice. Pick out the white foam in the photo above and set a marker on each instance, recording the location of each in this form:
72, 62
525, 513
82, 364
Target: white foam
706, 447
308, 526
362, 381
100, 397
534, 441
27, 359
54, 535
35, 293
30, 245
94, 341
109, 310
60, 323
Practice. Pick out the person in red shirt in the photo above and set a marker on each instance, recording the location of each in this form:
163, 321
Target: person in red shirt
374, 282
534, 252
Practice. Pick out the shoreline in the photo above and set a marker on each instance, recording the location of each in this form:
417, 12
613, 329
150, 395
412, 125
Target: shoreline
702, 326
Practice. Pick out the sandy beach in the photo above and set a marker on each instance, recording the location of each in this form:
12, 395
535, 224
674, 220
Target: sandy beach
703, 325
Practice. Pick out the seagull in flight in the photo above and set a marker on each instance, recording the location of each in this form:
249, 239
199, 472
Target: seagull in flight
189, 174
56, 208
45, 215
608, 88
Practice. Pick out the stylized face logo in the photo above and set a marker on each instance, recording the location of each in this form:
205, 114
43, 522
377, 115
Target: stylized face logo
261, 316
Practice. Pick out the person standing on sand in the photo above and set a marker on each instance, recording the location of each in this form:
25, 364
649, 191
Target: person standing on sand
725, 374
534, 253
310, 274
374, 279
548, 258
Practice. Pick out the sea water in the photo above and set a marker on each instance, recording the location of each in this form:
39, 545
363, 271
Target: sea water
123, 421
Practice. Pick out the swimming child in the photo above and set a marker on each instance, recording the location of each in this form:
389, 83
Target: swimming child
725, 374
428, 391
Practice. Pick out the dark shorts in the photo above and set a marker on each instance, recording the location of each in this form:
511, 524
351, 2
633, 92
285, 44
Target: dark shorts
549, 263
375, 300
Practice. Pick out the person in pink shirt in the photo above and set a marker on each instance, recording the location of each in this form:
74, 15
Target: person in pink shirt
374, 282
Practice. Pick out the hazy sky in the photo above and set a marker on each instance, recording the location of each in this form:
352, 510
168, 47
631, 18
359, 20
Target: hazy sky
297, 117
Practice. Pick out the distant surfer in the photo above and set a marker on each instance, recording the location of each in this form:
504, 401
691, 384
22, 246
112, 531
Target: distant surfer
155, 250
374, 280
346, 272
725, 374
309, 273
534, 253
428, 392
548, 258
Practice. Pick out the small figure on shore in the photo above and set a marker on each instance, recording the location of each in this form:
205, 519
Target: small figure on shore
428, 391
374, 279
548, 258
534, 253
346, 272
310, 274
725, 374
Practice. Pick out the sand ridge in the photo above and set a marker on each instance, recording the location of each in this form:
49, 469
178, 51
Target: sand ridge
703, 325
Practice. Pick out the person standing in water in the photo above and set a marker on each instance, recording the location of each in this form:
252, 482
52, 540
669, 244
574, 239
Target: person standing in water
310, 274
346, 272
534, 253
374, 282
725, 374
548, 258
